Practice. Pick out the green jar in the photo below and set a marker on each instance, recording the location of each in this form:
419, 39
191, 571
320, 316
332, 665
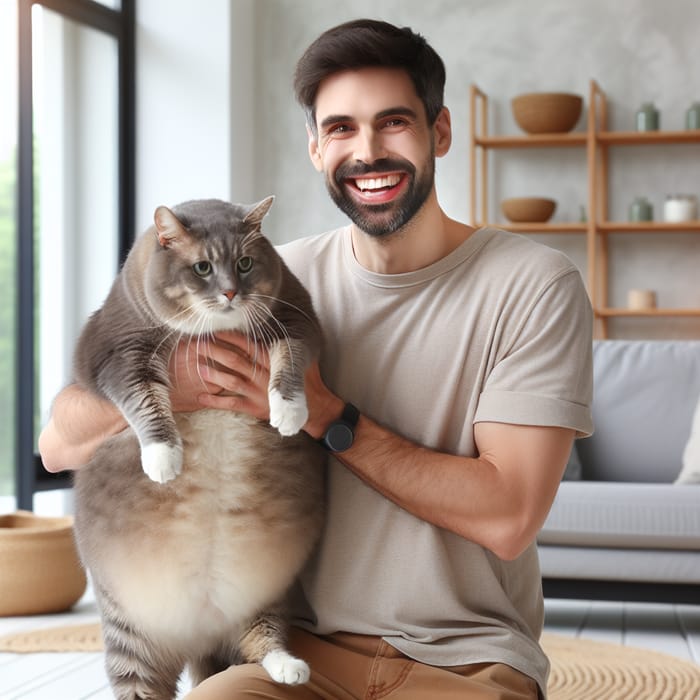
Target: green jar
692, 116
641, 209
647, 117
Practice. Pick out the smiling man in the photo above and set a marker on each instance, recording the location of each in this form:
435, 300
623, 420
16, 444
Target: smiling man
455, 375
463, 359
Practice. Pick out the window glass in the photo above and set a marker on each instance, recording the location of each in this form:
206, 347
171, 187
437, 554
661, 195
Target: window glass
76, 192
8, 280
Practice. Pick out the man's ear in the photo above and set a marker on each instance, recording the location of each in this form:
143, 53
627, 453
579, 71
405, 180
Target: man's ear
442, 130
314, 153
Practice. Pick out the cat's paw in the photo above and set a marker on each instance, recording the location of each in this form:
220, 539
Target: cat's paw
285, 668
161, 462
287, 415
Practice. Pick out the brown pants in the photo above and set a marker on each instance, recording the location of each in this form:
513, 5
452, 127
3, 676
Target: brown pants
355, 667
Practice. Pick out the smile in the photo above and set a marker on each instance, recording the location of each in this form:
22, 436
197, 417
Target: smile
372, 184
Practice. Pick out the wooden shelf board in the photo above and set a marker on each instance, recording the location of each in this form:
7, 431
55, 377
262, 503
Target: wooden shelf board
623, 138
543, 227
613, 311
532, 141
649, 226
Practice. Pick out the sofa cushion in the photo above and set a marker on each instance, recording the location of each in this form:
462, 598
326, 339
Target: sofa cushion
595, 563
690, 474
604, 514
644, 396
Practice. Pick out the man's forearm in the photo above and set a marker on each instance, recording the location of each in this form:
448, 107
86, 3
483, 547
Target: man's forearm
80, 422
498, 499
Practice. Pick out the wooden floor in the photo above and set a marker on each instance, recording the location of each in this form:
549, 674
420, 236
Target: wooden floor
673, 629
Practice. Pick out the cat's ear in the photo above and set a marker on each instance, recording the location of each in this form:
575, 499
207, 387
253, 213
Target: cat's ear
168, 226
257, 212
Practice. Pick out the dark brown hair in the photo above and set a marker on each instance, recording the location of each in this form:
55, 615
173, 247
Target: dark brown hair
365, 43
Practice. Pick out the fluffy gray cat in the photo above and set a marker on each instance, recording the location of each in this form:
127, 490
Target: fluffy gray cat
194, 525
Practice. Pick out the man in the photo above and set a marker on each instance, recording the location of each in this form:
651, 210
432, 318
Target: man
468, 356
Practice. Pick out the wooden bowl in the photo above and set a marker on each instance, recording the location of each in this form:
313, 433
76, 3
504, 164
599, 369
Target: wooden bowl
547, 112
39, 567
528, 209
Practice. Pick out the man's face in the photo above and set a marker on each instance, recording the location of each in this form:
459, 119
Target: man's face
374, 146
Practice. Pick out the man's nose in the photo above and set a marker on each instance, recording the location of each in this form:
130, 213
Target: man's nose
369, 146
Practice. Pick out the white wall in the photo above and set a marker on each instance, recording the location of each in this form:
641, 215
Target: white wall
183, 103
637, 50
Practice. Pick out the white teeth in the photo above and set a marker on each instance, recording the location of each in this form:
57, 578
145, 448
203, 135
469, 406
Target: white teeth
376, 183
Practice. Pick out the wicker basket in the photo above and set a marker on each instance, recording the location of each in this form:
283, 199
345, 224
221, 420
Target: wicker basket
547, 112
39, 567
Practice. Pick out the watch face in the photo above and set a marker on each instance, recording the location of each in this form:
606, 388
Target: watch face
339, 437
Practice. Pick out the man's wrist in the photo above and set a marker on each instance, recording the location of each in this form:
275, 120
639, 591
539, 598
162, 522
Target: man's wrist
319, 421
340, 434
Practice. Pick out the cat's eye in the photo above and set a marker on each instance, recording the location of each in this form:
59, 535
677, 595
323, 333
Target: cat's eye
245, 264
202, 268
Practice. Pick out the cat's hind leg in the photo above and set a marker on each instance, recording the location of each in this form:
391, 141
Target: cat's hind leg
265, 642
137, 667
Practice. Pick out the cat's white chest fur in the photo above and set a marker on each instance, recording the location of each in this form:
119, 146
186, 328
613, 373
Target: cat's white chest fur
222, 547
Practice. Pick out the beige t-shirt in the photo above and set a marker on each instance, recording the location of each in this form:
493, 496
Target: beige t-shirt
499, 330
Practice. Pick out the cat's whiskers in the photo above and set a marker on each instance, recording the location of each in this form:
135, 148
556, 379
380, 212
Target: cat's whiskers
201, 319
194, 313
169, 321
253, 327
259, 316
264, 316
282, 301
199, 336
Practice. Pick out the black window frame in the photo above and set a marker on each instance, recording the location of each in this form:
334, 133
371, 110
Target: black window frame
30, 476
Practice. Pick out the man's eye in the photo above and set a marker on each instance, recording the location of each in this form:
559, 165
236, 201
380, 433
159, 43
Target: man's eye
394, 122
339, 129
202, 268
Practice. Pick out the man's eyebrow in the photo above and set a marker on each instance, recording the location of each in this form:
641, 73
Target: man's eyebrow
397, 112
335, 119
390, 112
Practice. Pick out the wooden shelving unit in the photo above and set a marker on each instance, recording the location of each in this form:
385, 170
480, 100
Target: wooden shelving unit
596, 140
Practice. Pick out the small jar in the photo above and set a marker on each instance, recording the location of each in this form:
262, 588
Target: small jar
641, 209
647, 117
680, 207
692, 116
641, 299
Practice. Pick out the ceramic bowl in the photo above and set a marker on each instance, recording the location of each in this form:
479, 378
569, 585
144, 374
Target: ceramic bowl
547, 112
528, 209
39, 567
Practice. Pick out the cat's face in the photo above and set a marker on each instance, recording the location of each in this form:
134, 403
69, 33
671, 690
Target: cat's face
213, 269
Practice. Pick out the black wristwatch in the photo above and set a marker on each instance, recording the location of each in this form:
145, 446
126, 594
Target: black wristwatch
340, 434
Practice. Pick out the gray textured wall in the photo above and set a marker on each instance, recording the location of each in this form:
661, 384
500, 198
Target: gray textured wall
637, 50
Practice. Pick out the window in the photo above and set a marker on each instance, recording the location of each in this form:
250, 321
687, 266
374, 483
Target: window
8, 236
75, 193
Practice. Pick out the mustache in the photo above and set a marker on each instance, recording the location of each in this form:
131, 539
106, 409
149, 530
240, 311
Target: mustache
382, 165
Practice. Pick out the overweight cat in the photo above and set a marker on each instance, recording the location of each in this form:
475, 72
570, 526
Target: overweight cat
194, 525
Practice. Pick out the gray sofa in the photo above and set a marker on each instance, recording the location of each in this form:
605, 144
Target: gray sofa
621, 529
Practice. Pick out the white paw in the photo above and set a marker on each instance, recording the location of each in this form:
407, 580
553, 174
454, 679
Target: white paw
285, 668
161, 462
287, 415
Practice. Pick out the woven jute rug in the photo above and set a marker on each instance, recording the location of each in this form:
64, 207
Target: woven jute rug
582, 669
72, 638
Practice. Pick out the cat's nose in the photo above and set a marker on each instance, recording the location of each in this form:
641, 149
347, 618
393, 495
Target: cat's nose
229, 293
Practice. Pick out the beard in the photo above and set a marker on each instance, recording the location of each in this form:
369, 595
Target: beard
382, 219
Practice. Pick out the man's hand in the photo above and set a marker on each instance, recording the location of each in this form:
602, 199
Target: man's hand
230, 373
233, 374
